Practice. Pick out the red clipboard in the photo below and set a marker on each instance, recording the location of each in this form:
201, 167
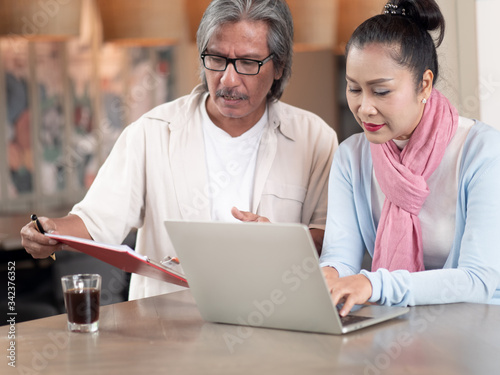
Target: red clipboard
123, 257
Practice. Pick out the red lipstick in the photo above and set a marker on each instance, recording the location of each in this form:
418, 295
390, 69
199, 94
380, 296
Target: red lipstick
372, 127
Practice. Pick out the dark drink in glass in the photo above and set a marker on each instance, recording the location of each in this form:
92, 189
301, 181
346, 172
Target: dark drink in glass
82, 299
82, 305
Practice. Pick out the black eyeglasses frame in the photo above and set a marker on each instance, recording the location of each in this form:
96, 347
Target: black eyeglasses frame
233, 62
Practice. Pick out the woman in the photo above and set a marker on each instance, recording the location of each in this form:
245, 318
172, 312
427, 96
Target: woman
419, 189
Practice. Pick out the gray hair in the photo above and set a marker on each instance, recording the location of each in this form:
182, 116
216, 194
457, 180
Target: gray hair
280, 39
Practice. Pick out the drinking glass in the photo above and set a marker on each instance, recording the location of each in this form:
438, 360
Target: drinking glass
82, 294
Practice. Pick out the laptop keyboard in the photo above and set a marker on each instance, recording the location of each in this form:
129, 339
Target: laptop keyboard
350, 319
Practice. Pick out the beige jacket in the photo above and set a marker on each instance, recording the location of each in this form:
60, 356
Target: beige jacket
156, 171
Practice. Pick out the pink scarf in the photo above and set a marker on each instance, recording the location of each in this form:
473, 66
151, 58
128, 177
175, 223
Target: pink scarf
402, 176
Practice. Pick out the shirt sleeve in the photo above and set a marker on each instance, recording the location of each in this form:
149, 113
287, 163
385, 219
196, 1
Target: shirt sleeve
114, 203
343, 246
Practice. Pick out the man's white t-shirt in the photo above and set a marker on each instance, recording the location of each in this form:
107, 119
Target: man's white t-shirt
231, 165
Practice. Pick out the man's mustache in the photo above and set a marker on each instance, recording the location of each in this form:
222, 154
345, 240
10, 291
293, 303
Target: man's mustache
230, 94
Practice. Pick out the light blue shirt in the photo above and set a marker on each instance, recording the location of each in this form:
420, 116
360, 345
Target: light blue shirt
472, 270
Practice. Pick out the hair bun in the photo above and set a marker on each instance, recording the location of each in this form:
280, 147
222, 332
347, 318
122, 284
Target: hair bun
425, 13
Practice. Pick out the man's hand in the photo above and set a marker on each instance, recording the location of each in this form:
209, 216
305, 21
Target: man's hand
37, 244
248, 216
41, 246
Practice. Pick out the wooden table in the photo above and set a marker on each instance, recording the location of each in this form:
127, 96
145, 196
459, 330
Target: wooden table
166, 335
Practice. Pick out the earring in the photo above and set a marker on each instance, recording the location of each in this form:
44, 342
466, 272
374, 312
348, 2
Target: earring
424, 101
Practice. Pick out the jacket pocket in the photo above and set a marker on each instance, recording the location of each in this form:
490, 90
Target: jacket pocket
282, 202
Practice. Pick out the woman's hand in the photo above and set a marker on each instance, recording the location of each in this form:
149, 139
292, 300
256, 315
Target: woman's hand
349, 290
331, 276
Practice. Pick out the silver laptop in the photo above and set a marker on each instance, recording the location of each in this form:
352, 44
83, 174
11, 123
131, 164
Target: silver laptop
263, 275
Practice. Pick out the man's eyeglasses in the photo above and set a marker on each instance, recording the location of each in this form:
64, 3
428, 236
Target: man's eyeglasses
247, 67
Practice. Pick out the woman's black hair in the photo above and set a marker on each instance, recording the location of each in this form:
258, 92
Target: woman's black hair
405, 26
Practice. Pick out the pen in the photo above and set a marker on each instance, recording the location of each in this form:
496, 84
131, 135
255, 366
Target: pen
40, 229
